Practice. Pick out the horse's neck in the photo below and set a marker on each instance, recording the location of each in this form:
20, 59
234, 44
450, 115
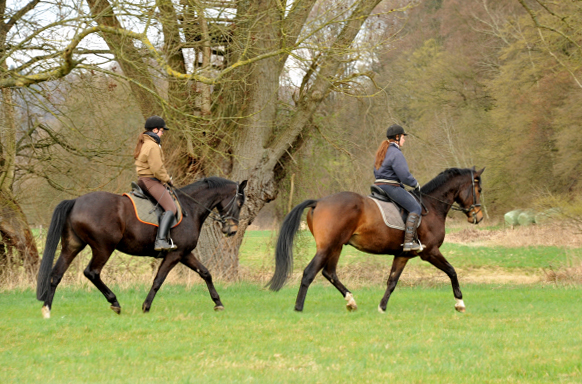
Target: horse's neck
442, 198
203, 200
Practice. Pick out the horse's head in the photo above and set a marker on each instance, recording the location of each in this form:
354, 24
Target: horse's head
469, 197
229, 209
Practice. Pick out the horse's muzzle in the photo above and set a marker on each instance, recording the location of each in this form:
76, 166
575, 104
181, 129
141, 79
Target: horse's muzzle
230, 229
475, 217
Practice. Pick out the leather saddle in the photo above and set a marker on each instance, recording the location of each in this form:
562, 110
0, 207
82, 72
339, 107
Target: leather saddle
147, 208
379, 194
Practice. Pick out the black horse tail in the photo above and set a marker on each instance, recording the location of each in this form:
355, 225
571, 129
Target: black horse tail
52, 241
284, 250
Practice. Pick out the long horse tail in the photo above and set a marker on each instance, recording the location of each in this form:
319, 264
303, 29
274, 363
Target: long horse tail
284, 250
58, 221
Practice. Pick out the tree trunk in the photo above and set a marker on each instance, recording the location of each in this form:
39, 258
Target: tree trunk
217, 252
260, 151
18, 245
129, 59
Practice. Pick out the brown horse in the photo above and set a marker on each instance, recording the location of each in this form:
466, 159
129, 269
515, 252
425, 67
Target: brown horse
350, 218
106, 222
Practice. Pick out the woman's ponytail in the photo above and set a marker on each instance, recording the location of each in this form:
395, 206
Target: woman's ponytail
139, 144
381, 153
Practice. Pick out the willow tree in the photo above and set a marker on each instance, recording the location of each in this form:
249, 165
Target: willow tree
215, 70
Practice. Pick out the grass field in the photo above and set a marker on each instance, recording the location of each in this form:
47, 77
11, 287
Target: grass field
509, 334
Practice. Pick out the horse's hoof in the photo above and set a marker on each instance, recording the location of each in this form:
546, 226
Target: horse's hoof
460, 306
46, 312
381, 310
351, 305
145, 309
116, 309
218, 308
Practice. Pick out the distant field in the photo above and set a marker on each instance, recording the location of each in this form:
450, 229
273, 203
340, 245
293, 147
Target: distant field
510, 334
258, 249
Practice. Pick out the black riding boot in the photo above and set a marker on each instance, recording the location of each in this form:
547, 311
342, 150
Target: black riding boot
162, 243
410, 231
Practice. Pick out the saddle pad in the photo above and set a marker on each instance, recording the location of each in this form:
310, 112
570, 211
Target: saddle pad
391, 214
145, 212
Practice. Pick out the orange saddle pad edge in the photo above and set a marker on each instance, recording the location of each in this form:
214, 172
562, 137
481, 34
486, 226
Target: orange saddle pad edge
144, 210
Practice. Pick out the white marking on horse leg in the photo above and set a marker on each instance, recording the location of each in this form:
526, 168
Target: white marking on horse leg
460, 305
381, 310
46, 312
351, 305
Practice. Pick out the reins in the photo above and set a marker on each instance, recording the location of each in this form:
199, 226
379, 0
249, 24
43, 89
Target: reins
453, 207
214, 216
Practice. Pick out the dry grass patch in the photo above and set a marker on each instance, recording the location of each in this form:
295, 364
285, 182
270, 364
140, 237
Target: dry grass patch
570, 274
554, 234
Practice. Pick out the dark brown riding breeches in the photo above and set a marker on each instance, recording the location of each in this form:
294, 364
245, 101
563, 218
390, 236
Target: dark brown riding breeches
158, 191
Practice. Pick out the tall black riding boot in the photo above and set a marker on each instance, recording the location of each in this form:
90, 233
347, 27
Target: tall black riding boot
162, 243
409, 232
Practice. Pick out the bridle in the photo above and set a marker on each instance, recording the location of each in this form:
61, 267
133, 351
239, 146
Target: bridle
466, 211
218, 216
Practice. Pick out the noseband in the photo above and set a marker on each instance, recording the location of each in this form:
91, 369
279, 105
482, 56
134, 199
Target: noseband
472, 206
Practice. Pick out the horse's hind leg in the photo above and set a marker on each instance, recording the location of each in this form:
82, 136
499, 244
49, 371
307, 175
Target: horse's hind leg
194, 264
308, 276
437, 259
168, 263
68, 254
397, 267
329, 272
93, 273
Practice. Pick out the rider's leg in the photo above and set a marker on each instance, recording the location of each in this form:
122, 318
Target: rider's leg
409, 232
159, 192
162, 243
409, 203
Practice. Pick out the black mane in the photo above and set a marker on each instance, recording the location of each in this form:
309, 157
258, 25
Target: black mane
213, 182
443, 177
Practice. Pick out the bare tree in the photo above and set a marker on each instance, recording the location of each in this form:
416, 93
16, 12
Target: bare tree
213, 70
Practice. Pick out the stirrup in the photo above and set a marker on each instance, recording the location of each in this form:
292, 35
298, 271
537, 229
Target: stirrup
164, 245
414, 246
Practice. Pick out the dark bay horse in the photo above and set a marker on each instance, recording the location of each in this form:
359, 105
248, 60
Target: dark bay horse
350, 218
106, 221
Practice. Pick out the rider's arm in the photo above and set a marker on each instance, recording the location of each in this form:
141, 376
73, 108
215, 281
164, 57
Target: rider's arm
156, 163
400, 167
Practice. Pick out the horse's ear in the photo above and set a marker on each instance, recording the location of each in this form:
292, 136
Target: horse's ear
478, 173
242, 185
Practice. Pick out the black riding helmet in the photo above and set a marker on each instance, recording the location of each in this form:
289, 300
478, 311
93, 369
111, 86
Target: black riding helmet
395, 130
155, 122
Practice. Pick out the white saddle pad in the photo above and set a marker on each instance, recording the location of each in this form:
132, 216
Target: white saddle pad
391, 214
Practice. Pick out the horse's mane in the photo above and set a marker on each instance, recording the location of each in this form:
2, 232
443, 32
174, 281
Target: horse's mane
213, 182
443, 177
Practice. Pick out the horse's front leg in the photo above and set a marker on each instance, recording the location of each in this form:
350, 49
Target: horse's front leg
167, 265
397, 267
437, 259
194, 264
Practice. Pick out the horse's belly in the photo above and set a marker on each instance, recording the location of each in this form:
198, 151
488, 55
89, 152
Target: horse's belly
380, 244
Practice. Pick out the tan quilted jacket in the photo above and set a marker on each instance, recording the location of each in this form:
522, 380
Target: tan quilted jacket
150, 162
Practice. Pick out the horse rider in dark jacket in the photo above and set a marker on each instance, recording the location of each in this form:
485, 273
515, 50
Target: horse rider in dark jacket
391, 172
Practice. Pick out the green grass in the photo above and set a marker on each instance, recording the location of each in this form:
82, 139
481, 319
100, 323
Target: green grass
510, 334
